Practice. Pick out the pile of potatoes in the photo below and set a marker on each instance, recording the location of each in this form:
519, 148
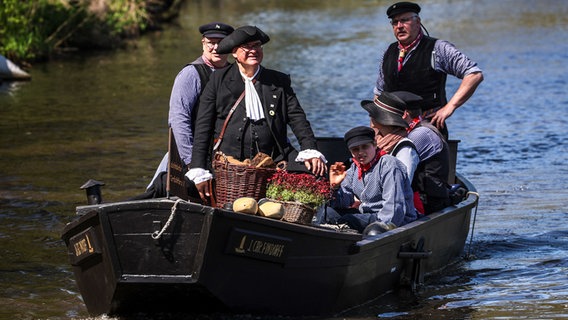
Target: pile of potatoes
266, 208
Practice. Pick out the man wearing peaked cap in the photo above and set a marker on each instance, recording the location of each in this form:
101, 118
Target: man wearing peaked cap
184, 98
376, 179
255, 105
420, 64
432, 173
190, 82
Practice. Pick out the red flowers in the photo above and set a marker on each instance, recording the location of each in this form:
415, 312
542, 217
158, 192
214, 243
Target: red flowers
300, 187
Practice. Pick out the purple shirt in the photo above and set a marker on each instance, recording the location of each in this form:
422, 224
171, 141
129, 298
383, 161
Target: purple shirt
426, 141
185, 93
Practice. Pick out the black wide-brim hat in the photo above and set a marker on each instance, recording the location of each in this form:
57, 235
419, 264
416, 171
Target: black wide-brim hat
386, 109
401, 7
240, 36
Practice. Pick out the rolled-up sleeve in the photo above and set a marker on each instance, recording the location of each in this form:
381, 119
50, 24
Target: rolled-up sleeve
452, 61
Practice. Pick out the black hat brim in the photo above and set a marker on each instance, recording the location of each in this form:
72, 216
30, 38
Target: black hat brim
241, 36
382, 116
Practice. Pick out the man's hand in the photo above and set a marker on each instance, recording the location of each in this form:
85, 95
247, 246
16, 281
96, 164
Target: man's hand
316, 166
439, 117
204, 191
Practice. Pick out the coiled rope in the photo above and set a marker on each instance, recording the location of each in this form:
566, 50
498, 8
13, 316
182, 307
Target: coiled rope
157, 234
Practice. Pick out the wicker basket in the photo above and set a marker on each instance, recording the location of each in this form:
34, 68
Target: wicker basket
234, 181
297, 212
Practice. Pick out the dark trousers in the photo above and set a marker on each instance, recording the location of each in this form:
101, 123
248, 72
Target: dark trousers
352, 217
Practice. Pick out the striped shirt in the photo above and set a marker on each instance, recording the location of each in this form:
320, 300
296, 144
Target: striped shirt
384, 190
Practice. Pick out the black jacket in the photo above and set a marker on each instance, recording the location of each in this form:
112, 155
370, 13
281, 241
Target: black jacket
281, 108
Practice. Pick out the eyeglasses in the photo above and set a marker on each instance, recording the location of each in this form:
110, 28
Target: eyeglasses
211, 45
251, 46
394, 22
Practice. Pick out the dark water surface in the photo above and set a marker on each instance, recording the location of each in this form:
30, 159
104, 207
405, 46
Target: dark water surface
104, 116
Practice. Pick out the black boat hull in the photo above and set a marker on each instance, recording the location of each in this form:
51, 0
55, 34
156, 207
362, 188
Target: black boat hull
209, 258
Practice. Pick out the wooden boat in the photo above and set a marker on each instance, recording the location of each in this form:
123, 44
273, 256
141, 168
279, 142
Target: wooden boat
170, 255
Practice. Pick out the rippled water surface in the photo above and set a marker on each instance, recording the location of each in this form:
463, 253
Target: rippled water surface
104, 116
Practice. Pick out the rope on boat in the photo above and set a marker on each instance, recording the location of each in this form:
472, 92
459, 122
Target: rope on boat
468, 256
157, 234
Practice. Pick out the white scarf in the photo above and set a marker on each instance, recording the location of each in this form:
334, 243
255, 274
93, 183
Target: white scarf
252, 100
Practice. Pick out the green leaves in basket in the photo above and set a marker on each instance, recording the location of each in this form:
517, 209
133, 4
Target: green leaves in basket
301, 187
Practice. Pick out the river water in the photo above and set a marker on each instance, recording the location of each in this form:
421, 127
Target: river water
104, 116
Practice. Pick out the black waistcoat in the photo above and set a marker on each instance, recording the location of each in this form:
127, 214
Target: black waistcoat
244, 138
431, 176
417, 74
204, 72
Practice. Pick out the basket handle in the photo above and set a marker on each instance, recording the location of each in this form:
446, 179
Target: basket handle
282, 165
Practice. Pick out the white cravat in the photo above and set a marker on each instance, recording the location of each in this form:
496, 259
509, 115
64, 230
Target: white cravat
252, 100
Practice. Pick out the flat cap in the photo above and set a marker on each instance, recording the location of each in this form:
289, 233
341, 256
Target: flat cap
401, 7
216, 30
359, 136
240, 36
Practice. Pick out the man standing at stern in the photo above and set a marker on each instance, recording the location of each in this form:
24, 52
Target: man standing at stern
189, 84
184, 100
420, 64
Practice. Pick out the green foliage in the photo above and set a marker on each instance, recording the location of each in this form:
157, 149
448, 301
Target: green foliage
127, 16
16, 36
32, 30
300, 187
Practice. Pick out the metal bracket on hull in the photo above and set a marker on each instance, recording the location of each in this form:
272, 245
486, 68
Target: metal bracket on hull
416, 254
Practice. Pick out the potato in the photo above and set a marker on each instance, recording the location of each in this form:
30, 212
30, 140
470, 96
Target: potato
271, 209
245, 205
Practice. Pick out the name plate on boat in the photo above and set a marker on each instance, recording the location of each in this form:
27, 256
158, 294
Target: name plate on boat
258, 245
82, 246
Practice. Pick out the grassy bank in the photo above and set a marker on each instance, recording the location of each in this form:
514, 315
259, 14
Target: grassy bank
40, 29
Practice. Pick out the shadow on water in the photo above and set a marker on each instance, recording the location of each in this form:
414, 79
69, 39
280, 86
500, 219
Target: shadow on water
104, 116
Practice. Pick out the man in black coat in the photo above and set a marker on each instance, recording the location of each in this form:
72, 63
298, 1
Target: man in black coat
264, 105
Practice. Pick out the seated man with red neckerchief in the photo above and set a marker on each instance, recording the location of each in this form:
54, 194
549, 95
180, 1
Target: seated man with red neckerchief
377, 179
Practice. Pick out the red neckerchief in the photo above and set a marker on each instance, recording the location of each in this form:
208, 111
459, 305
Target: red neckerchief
413, 124
404, 49
364, 168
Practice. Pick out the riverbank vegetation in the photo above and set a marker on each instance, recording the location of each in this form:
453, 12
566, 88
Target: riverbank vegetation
40, 29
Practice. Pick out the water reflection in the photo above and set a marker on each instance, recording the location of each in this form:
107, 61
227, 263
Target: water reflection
104, 116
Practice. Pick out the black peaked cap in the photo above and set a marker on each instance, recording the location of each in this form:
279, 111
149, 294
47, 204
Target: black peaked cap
401, 7
215, 30
412, 101
359, 136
